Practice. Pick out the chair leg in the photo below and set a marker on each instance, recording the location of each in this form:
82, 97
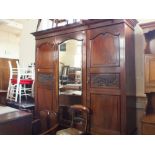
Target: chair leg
16, 92
25, 93
32, 90
20, 89
8, 92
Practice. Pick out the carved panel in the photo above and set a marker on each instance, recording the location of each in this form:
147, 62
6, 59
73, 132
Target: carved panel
149, 73
105, 50
105, 80
45, 79
45, 56
44, 99
106, 114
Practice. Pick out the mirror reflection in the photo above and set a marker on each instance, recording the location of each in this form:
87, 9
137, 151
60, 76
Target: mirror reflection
70, 72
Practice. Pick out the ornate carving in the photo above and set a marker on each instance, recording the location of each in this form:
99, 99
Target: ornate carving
47, 46
105, 80
45, 78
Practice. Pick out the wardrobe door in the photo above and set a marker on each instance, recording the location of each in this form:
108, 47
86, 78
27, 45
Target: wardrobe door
103, 79
45, 76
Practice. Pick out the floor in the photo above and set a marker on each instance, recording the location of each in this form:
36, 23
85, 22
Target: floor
26, 105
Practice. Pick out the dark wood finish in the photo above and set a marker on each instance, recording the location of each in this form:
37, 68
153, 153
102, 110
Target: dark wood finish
16, 123
3, 94
148, 125
106, 114
5, 72
112, 77
101, 53
46, 124
45, 76
79, 121
149, 73
69, 99
105, 42
4, 77
148, 121
108, 74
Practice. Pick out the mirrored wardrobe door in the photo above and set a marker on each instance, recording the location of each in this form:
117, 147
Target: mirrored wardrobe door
70, 72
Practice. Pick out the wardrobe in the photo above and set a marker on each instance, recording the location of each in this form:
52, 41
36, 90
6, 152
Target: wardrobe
108, 72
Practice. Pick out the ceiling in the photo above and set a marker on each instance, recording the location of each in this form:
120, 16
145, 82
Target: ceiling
16, 25
11, 25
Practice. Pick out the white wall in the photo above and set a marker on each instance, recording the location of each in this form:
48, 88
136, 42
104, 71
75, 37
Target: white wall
27, 43
9, 45
139, 59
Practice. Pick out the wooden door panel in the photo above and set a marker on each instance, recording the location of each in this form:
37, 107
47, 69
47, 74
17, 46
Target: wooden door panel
105, 50
152, 70
5, 72
45, 55
104, 79
45, 99
105, 114
45, 75
149, 73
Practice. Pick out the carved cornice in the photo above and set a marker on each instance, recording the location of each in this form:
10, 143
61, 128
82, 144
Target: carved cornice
148, 26
86, 24
132, 22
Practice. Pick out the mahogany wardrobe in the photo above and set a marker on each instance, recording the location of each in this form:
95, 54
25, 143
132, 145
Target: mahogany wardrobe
108, 72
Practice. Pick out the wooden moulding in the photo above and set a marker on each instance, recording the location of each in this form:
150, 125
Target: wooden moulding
84, 25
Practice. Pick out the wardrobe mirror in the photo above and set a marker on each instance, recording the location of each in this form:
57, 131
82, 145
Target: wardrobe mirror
70, 72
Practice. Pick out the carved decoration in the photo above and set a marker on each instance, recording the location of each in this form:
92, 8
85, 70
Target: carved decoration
45, 55
47, 46
45, 79
105, 80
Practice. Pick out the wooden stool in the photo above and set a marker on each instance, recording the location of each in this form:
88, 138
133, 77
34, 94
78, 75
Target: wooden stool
148, 124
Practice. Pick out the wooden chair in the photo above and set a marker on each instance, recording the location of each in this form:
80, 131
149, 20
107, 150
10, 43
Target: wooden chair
45, 124
79, 123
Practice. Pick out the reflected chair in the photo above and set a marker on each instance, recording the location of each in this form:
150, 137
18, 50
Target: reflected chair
45, 124
79, 121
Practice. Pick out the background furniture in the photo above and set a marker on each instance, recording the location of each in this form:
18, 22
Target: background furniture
15, 122
108, 72
4, 77
46, 124
21, 82
4, 72
3, 94
148, 121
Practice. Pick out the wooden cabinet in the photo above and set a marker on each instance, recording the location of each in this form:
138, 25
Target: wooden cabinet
5, 72
108, 72
4, 77
149, 73
148, 121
